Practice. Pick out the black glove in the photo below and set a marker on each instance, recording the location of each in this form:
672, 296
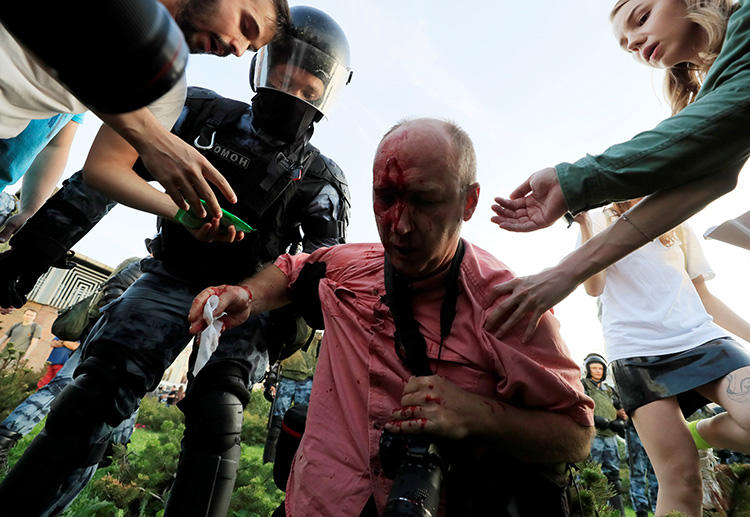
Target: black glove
21, 267
600, 422
267, 393
17, 279
618, 426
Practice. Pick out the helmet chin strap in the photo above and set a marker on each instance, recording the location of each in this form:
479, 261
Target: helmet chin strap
283, 116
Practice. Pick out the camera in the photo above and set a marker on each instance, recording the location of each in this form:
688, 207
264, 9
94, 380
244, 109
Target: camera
416, 466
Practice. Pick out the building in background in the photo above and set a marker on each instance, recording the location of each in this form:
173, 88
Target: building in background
56, 290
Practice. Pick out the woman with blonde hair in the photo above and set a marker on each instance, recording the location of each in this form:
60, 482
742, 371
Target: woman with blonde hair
686, 161
667, 338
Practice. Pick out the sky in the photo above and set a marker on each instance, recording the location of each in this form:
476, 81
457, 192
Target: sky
533, 83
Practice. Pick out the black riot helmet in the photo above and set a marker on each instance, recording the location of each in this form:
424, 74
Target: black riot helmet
595, 358
310, 61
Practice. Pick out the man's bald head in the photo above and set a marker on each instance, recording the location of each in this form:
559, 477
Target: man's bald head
423, 190
461, 149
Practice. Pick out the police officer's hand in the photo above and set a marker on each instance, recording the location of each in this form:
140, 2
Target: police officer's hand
534, 205
234, 300
18, 275
618, 426
601, 423
434, 405
212, 231
12, 224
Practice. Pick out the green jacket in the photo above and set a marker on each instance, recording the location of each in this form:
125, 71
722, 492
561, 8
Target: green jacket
301, 364
604, 402
709, 136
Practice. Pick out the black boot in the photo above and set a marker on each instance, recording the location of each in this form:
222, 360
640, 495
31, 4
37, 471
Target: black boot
269, 450
8, 440
210, 453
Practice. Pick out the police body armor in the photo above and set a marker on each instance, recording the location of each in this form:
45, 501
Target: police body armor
275, 183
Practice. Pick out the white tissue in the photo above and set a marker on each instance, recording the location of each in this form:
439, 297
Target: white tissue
209, 339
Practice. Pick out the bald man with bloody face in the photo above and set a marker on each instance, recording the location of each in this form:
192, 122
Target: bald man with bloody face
489, 402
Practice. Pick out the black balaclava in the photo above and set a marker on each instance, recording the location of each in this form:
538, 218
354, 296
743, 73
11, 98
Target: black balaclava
281, 115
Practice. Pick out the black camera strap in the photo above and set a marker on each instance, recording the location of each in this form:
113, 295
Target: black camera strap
410, 344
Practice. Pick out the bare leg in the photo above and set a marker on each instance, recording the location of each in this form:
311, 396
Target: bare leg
670, 447
730, 430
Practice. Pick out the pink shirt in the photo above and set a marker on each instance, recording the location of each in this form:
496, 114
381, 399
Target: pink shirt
359, 378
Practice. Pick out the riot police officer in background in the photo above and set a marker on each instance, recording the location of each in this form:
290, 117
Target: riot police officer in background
284, 185
609, 419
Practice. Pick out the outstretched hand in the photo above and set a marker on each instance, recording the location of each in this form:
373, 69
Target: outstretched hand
529, 297
234, 300
536, 204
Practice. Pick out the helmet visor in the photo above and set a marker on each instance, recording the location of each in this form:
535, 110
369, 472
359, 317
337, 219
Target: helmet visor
300, 69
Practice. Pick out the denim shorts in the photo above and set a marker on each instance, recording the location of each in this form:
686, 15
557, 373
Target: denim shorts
641, 380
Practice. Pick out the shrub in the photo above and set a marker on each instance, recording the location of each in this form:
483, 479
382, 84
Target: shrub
153, 414
589, 496
112, 489
255, 419
16, 382
254, 429
258, 405
86, 505
137, 482
255, 494
140, 477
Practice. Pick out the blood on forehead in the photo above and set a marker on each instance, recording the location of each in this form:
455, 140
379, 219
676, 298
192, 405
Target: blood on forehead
392, 175
389, 180
388, 170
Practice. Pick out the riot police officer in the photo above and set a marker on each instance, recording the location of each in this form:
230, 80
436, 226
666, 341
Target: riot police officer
284, 185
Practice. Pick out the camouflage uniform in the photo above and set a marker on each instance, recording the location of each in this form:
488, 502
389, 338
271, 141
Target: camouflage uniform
296, 376
641, 471
604, 449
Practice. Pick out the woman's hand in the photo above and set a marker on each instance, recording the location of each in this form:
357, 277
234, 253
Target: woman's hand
536, 204
528, 297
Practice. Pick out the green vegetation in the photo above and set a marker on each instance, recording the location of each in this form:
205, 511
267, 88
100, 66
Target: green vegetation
137, 481
16, 381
